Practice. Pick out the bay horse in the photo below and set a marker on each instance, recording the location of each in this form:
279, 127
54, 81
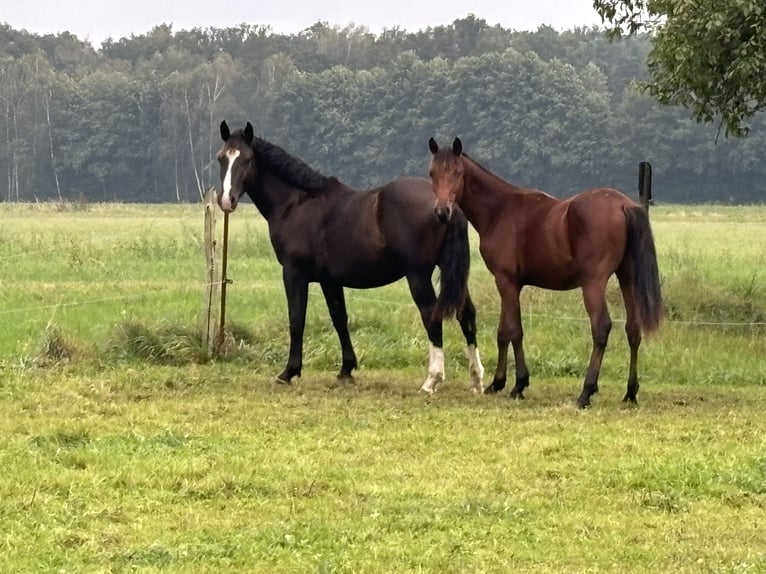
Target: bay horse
324, 231
528, 237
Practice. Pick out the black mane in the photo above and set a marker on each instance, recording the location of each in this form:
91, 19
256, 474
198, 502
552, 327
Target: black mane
289, 168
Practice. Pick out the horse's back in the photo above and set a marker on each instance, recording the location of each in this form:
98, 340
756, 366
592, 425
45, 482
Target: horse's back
600, 198
564, 243
408, 191
371, 238
600, 210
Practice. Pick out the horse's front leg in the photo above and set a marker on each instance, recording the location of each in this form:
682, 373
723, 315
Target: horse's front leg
336, 304
509, 331
297, 291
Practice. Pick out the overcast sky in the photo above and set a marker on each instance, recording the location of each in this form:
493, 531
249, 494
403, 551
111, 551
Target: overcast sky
96, 20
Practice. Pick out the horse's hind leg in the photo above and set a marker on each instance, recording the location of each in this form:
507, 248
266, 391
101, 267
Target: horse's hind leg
594, 297
467, 320
336, 304
633, 331
425, 298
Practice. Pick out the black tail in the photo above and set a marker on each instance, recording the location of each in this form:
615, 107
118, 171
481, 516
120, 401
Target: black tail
454, 265
645, 276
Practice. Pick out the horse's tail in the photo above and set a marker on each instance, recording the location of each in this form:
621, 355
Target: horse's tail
454, 264
641, 255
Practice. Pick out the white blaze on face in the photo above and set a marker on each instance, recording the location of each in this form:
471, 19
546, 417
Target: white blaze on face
475, 369
435, 370
232, 155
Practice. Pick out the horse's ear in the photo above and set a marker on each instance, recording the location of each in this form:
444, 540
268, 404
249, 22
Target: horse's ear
433, 146
248, 133
225, 133
457, 146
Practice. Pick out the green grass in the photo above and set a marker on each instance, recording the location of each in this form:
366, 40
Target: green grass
124, 449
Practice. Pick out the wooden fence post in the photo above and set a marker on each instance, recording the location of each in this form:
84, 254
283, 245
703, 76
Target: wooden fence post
214, 335
645, 184
209, 327
224, 282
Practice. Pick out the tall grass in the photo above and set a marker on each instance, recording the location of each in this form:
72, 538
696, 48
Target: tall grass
101, 273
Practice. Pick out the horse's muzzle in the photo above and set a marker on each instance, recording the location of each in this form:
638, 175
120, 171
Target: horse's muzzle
227, 203
443, 213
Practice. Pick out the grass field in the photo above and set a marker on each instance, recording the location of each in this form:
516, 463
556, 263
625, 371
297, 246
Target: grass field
124, 449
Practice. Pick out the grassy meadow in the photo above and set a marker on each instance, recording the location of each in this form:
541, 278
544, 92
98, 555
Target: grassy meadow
124, 448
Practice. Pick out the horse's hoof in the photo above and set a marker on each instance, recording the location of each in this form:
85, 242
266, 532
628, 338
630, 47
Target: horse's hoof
630, 401
583, 403
494, 388
282, 380
517, 395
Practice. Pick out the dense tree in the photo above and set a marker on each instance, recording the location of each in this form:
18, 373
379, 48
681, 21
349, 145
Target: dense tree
707, 56
137, 120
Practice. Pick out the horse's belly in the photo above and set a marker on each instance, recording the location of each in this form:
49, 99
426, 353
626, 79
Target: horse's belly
557, 277
555, 283
373, 278
365, 275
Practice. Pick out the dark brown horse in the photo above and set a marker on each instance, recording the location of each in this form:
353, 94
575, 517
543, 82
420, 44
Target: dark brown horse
323, 231
528, 237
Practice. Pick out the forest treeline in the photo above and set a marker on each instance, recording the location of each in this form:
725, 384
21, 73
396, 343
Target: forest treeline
137, 119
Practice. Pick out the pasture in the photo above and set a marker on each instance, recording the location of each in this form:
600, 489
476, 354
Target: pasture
123, 448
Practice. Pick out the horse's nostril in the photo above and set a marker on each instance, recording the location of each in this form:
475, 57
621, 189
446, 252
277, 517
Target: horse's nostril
442, 214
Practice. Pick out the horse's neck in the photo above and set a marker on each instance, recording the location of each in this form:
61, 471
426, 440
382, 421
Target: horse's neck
271, 195
484, 196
